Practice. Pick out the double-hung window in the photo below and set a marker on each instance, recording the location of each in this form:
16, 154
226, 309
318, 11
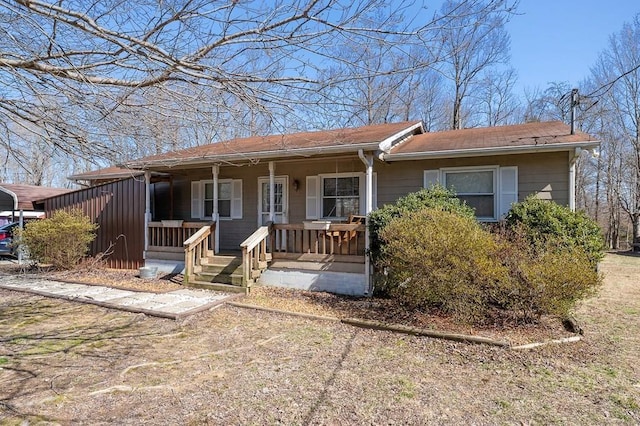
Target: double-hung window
229, 199
340, 196
490, 190
336, 196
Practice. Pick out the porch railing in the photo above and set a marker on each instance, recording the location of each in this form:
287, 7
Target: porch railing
170, 235
196, 248
321, 239
255, 254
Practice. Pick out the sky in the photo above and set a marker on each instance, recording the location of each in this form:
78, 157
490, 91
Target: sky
560, 40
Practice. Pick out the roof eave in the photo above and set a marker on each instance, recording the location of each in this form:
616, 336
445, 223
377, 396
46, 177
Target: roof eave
486, 152
251, 156
13, 195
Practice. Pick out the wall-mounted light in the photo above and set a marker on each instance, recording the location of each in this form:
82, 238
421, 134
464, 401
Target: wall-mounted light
296, 184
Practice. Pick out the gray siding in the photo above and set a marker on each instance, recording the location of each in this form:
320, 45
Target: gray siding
545, 174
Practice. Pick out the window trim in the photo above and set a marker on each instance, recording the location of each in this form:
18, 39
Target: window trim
203, 183
501, 193
361, 195
496, 191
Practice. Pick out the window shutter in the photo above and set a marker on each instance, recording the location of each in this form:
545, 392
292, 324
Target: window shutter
313, 197
431, 177
236, 199
508, 189
196, 200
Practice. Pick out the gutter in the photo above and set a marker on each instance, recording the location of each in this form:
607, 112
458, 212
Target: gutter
483, 152
207, 159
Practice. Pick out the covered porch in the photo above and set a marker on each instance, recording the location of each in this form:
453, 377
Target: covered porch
314, 252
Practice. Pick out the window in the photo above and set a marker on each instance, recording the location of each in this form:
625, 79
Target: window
340, 196
224, 199
476, 188
229, 199
336, 196
489, 190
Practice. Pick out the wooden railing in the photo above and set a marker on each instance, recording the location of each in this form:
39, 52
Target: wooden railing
335, 239
170, 235
196, 248
254, 254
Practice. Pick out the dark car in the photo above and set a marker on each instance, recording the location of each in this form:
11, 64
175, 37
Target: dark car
6, 239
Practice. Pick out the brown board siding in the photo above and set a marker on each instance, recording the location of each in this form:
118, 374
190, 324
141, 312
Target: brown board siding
118, 209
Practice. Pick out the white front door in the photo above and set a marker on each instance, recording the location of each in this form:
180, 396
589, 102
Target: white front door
281, 203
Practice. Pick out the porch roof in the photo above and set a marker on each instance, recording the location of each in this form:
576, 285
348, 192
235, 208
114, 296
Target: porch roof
304, 144
499, 140
21, 197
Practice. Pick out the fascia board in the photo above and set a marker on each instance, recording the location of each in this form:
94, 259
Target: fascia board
484, 152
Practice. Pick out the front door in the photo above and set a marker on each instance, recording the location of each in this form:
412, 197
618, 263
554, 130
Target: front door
281, 203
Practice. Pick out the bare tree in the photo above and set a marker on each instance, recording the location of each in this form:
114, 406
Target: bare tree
473, 40
616, 77
496, 104
68, 65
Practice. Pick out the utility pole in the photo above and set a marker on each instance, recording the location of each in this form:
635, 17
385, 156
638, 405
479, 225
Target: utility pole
574, 104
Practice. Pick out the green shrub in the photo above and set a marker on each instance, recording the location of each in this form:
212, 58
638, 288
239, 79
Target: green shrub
62, 240
548, 278
441, 260
544, 221
435, 197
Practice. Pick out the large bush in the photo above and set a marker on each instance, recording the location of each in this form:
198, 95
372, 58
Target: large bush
62, 240
545, 222
435, 197
439, 259
442, 260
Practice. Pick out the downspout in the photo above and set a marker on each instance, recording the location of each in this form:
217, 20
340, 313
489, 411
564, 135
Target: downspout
215, 216
368, 162
147, 211
572, 179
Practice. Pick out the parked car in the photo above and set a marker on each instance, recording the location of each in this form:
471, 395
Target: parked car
6, 239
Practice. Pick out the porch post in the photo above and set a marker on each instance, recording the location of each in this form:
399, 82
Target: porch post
572, 179
368, 200
147, 211
272, 192
215, 217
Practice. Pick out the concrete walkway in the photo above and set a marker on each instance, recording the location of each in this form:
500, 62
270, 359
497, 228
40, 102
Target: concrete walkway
174, 304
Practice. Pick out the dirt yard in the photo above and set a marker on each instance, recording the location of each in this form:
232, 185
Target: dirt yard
64, 363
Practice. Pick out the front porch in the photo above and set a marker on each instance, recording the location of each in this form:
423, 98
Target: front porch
316, 255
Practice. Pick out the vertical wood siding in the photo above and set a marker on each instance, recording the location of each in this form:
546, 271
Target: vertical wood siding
118, 209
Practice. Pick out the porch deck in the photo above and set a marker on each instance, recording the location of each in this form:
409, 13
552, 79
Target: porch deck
330, 257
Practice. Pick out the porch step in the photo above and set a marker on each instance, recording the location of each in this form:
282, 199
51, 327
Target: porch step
221, 269
221, 278
229, 288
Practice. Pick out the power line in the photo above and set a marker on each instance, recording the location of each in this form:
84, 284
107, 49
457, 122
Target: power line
607, 86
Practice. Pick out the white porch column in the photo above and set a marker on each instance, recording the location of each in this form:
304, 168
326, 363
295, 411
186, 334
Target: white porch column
215, 217
572, 179
147, 211
368, 200
272, 192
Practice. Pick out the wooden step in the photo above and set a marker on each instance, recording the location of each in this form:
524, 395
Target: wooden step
228, 288
219, 277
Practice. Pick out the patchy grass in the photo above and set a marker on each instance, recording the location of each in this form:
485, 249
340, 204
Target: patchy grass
74, 363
